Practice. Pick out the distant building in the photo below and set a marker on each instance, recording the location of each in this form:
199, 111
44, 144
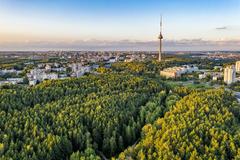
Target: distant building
202, 76
95, 66
62, 76
75, 66
216, 76
190, 68
41, 65
238, 66
40, 75
59, 69
5, 71
81, 71
32, 82
112, 60
172, 72
12, 81
128, 59
218, 68
229, 74
48, 67
15, 80
49, 76
175, 72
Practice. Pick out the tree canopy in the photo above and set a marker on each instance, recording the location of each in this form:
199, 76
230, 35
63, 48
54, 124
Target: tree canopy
203, 125
72, 118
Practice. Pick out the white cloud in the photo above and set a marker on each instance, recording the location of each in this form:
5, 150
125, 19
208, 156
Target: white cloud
222, 28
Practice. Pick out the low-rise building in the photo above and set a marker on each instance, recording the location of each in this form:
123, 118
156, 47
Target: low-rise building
32, 82
190, 68
40, 75
12, 81
4, 82
48, 67
128, 59
15, 80
46, 76
216, 76
112, 60
175, 72
75, 66
61, 69
5, 71
202, 76
171, 72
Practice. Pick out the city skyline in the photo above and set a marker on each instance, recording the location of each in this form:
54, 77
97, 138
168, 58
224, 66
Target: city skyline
119, 25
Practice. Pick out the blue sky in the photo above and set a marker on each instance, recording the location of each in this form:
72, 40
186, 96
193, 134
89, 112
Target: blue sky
109, 24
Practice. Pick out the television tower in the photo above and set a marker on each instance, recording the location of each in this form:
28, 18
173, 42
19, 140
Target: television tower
160, 37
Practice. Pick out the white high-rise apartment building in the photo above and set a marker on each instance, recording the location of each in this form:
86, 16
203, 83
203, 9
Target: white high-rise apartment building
229, 74
238, 66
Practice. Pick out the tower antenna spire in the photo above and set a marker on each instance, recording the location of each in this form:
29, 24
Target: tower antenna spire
161, 24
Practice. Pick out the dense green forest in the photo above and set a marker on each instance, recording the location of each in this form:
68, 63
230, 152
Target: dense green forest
203, 125
126, 112
86, 117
